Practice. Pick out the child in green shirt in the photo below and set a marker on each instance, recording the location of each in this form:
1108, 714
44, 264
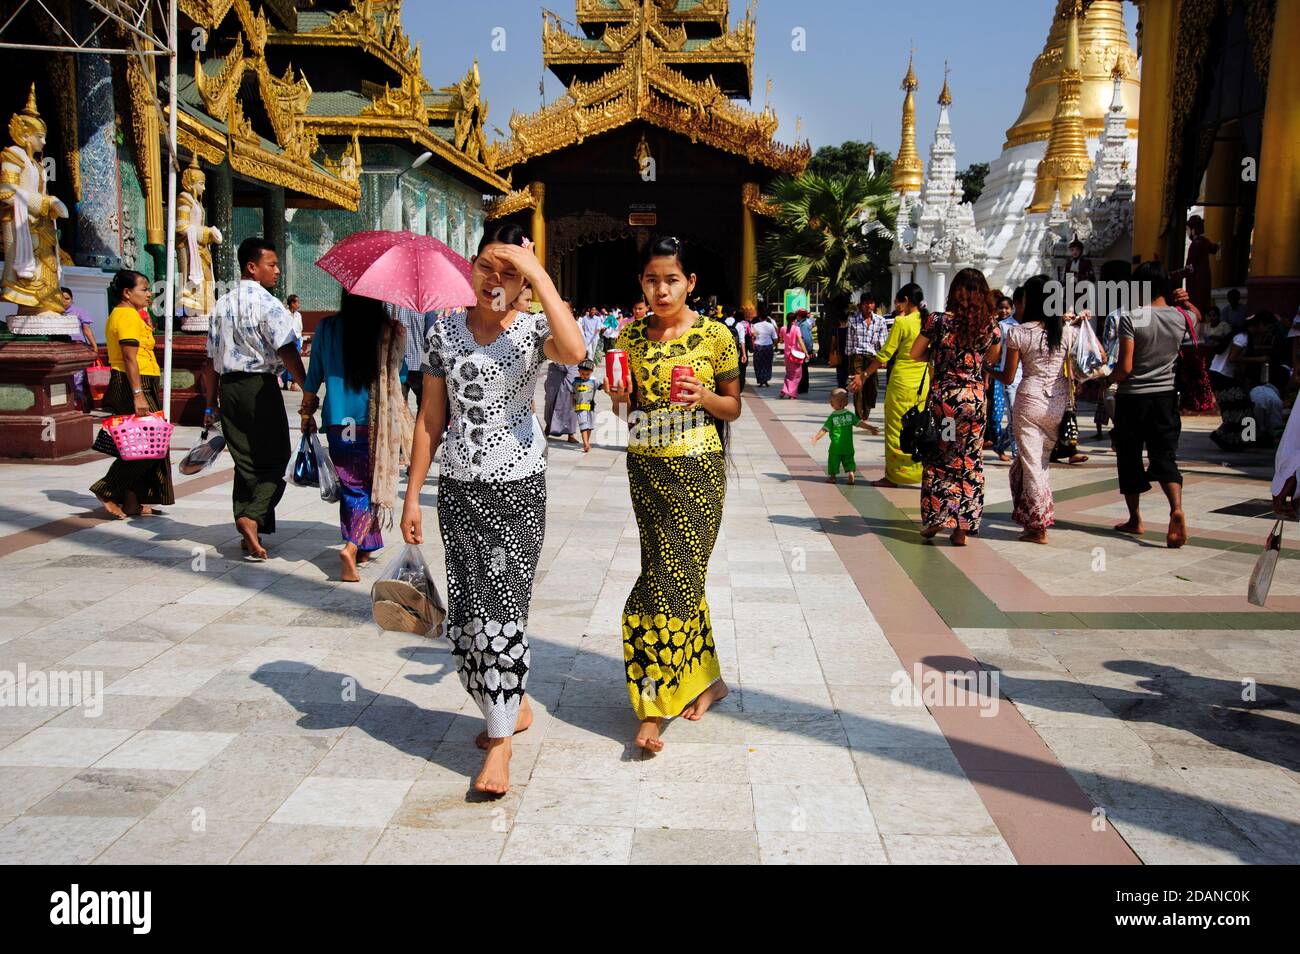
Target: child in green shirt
839, 425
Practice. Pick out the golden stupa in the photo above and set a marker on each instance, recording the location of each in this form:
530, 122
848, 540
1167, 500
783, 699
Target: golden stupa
908, 175
1064, 170
1102, 38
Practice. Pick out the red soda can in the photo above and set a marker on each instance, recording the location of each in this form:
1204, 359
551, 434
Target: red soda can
617, 375
675, 389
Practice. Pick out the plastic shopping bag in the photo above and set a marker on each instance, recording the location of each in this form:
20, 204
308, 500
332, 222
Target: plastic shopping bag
329, 477
1089, 357
203, 454
406, 599
1262, 577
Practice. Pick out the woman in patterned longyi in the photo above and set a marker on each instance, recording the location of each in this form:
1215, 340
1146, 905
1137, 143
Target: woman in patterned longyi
482, 365
677, 475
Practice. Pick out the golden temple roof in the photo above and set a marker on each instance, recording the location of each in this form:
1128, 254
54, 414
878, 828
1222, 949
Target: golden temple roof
400, 106
641, 78
698, 49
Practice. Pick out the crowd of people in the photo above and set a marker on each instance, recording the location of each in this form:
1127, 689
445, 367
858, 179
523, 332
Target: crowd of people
990, 374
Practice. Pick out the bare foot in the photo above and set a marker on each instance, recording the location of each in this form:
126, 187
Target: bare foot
928, 532
883, 482
113, 507
1077, 459
572, 439
525, 720
494, 779
1177, 534
1003, 455
647, 735
716, 692
247, 528
362, 558
348, 566
1033, 536
959, 537
830, 480
852, 477
1132, 525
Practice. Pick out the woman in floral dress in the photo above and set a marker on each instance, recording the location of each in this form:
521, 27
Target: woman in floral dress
961, 344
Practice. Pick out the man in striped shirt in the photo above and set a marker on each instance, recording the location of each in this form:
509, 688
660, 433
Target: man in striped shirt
866, 335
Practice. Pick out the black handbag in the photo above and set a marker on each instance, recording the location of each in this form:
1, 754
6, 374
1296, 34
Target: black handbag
918, 431
305, 471
1067, 435
105, 444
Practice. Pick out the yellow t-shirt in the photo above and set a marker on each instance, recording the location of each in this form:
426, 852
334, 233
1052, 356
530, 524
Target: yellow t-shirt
125, 324
659, 428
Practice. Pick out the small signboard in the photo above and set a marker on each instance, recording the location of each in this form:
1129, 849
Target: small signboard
642, 218
795, 299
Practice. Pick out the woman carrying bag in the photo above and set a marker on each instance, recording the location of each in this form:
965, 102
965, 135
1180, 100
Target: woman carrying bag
482, 365
357, 354
961, 343
906, 388
1039, 344
132, 488
796, 357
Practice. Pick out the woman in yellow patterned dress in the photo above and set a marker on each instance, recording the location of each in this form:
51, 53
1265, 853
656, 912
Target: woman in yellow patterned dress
677, 474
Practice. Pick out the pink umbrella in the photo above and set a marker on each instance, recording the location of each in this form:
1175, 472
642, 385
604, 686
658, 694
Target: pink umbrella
411, 271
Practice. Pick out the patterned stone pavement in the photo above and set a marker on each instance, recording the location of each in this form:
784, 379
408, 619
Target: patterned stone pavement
252, 713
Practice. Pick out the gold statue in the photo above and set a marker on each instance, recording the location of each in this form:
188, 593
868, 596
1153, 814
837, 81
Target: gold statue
194, 241
32, 273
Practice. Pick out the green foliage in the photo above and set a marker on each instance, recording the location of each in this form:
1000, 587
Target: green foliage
972, 180
847, 159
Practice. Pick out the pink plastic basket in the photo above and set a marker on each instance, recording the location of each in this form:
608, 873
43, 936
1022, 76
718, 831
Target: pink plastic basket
141, 438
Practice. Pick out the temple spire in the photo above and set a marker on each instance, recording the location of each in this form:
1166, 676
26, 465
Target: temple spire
1065, 166
907, 175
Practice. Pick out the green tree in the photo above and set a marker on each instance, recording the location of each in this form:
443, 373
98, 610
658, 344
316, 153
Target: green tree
972, 180
819, 239
848, 158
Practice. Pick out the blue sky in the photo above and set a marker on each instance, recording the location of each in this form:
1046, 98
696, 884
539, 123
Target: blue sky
845, 85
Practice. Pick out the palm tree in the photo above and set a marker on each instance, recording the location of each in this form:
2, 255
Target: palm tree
834, 232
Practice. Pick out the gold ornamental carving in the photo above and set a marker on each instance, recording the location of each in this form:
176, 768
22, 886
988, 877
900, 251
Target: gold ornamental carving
360, 26
510, 203
702, 10
751, 196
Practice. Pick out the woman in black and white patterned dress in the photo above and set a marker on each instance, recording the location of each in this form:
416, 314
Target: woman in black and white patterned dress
482, 365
